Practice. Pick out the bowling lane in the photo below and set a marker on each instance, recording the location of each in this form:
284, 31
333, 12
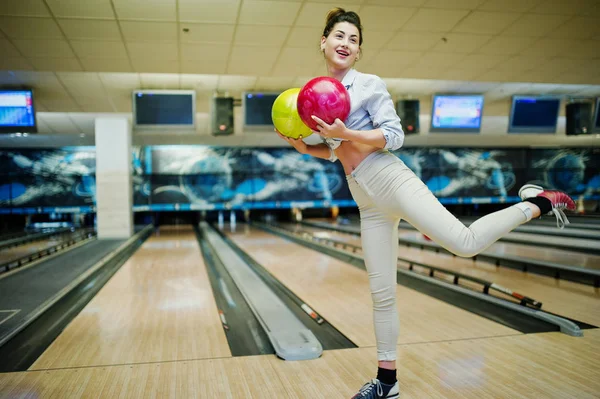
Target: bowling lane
577, 301
18, 252
571, 258
158, 307
340, 293
565, 257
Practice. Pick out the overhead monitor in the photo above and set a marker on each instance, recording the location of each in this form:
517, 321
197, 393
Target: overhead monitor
459, 113
17, 112
256, 108
164, 109
596, 125
534, 114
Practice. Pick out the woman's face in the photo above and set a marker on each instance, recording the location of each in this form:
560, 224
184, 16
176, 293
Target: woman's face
341, 47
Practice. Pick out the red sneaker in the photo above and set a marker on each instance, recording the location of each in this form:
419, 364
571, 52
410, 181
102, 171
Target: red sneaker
560, 201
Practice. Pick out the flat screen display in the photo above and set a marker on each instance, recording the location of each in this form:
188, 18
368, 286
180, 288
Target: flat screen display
456, 113
164, 108
534, 114
596, 127
257, 110
17, 113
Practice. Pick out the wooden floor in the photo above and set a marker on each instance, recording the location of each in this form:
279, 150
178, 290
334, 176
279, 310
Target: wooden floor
550, 365
158, 307
340, 293
573, 300
153, 332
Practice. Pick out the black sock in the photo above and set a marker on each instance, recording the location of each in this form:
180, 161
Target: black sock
386, 376
543, 203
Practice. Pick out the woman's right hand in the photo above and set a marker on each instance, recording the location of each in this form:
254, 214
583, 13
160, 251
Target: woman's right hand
298, 144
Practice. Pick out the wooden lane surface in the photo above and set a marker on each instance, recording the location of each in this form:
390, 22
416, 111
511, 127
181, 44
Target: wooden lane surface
14, 253
550, 365
572, 258
158, 307
577, 301
340, 293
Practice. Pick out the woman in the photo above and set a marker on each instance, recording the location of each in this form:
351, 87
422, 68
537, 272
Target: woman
387, 191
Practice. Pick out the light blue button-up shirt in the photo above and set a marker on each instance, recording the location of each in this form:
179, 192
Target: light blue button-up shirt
371, 108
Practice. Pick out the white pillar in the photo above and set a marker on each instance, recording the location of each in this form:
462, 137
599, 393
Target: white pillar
114, 191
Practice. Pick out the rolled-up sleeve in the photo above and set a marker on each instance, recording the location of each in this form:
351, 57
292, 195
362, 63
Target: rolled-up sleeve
381, 108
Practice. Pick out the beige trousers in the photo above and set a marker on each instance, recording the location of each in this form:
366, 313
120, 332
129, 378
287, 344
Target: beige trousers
386, 191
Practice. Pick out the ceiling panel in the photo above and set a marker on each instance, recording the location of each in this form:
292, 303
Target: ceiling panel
30, 8
106, 64
149, 31
267, 36
564, 7
245, 60
535, 25
199, 52
15, 64
385, 18
8, 50
577, 28
164, 51
207, 33
313, 14
512, 5
99, 49
273, 45
81, 8
56, 64
90, 29
434, 20
44, 48
209, 11
149, 10
414, 41
484, 22
461, 43
268, 12
155, 65
29, 28
503, 45
454, 4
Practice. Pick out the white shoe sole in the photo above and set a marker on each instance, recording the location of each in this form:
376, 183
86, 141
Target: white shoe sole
527, 187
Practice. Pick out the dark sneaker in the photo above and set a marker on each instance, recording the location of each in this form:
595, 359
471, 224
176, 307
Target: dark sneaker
559, 200
375, 389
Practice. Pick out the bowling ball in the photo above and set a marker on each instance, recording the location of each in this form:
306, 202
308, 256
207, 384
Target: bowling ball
323, 97
285, 115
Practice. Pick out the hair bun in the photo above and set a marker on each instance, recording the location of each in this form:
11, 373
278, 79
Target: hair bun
333, 14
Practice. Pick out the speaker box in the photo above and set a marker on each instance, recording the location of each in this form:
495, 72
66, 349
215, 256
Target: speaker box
408, 111
579, 118
222, 116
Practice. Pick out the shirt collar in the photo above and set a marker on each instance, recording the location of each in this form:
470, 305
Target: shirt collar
349, 78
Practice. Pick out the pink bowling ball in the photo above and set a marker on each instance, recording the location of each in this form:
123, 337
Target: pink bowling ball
325, 98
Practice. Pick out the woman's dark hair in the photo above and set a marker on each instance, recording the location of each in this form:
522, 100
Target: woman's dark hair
337, 15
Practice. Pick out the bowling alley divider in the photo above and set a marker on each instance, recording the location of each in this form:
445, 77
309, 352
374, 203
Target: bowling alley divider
26, 335
172, 178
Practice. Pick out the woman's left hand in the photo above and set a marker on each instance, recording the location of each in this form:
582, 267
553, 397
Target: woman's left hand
337, 130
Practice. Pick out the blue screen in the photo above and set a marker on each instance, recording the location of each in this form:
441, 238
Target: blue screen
534, 114
16, 109
164, 109
456, 112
